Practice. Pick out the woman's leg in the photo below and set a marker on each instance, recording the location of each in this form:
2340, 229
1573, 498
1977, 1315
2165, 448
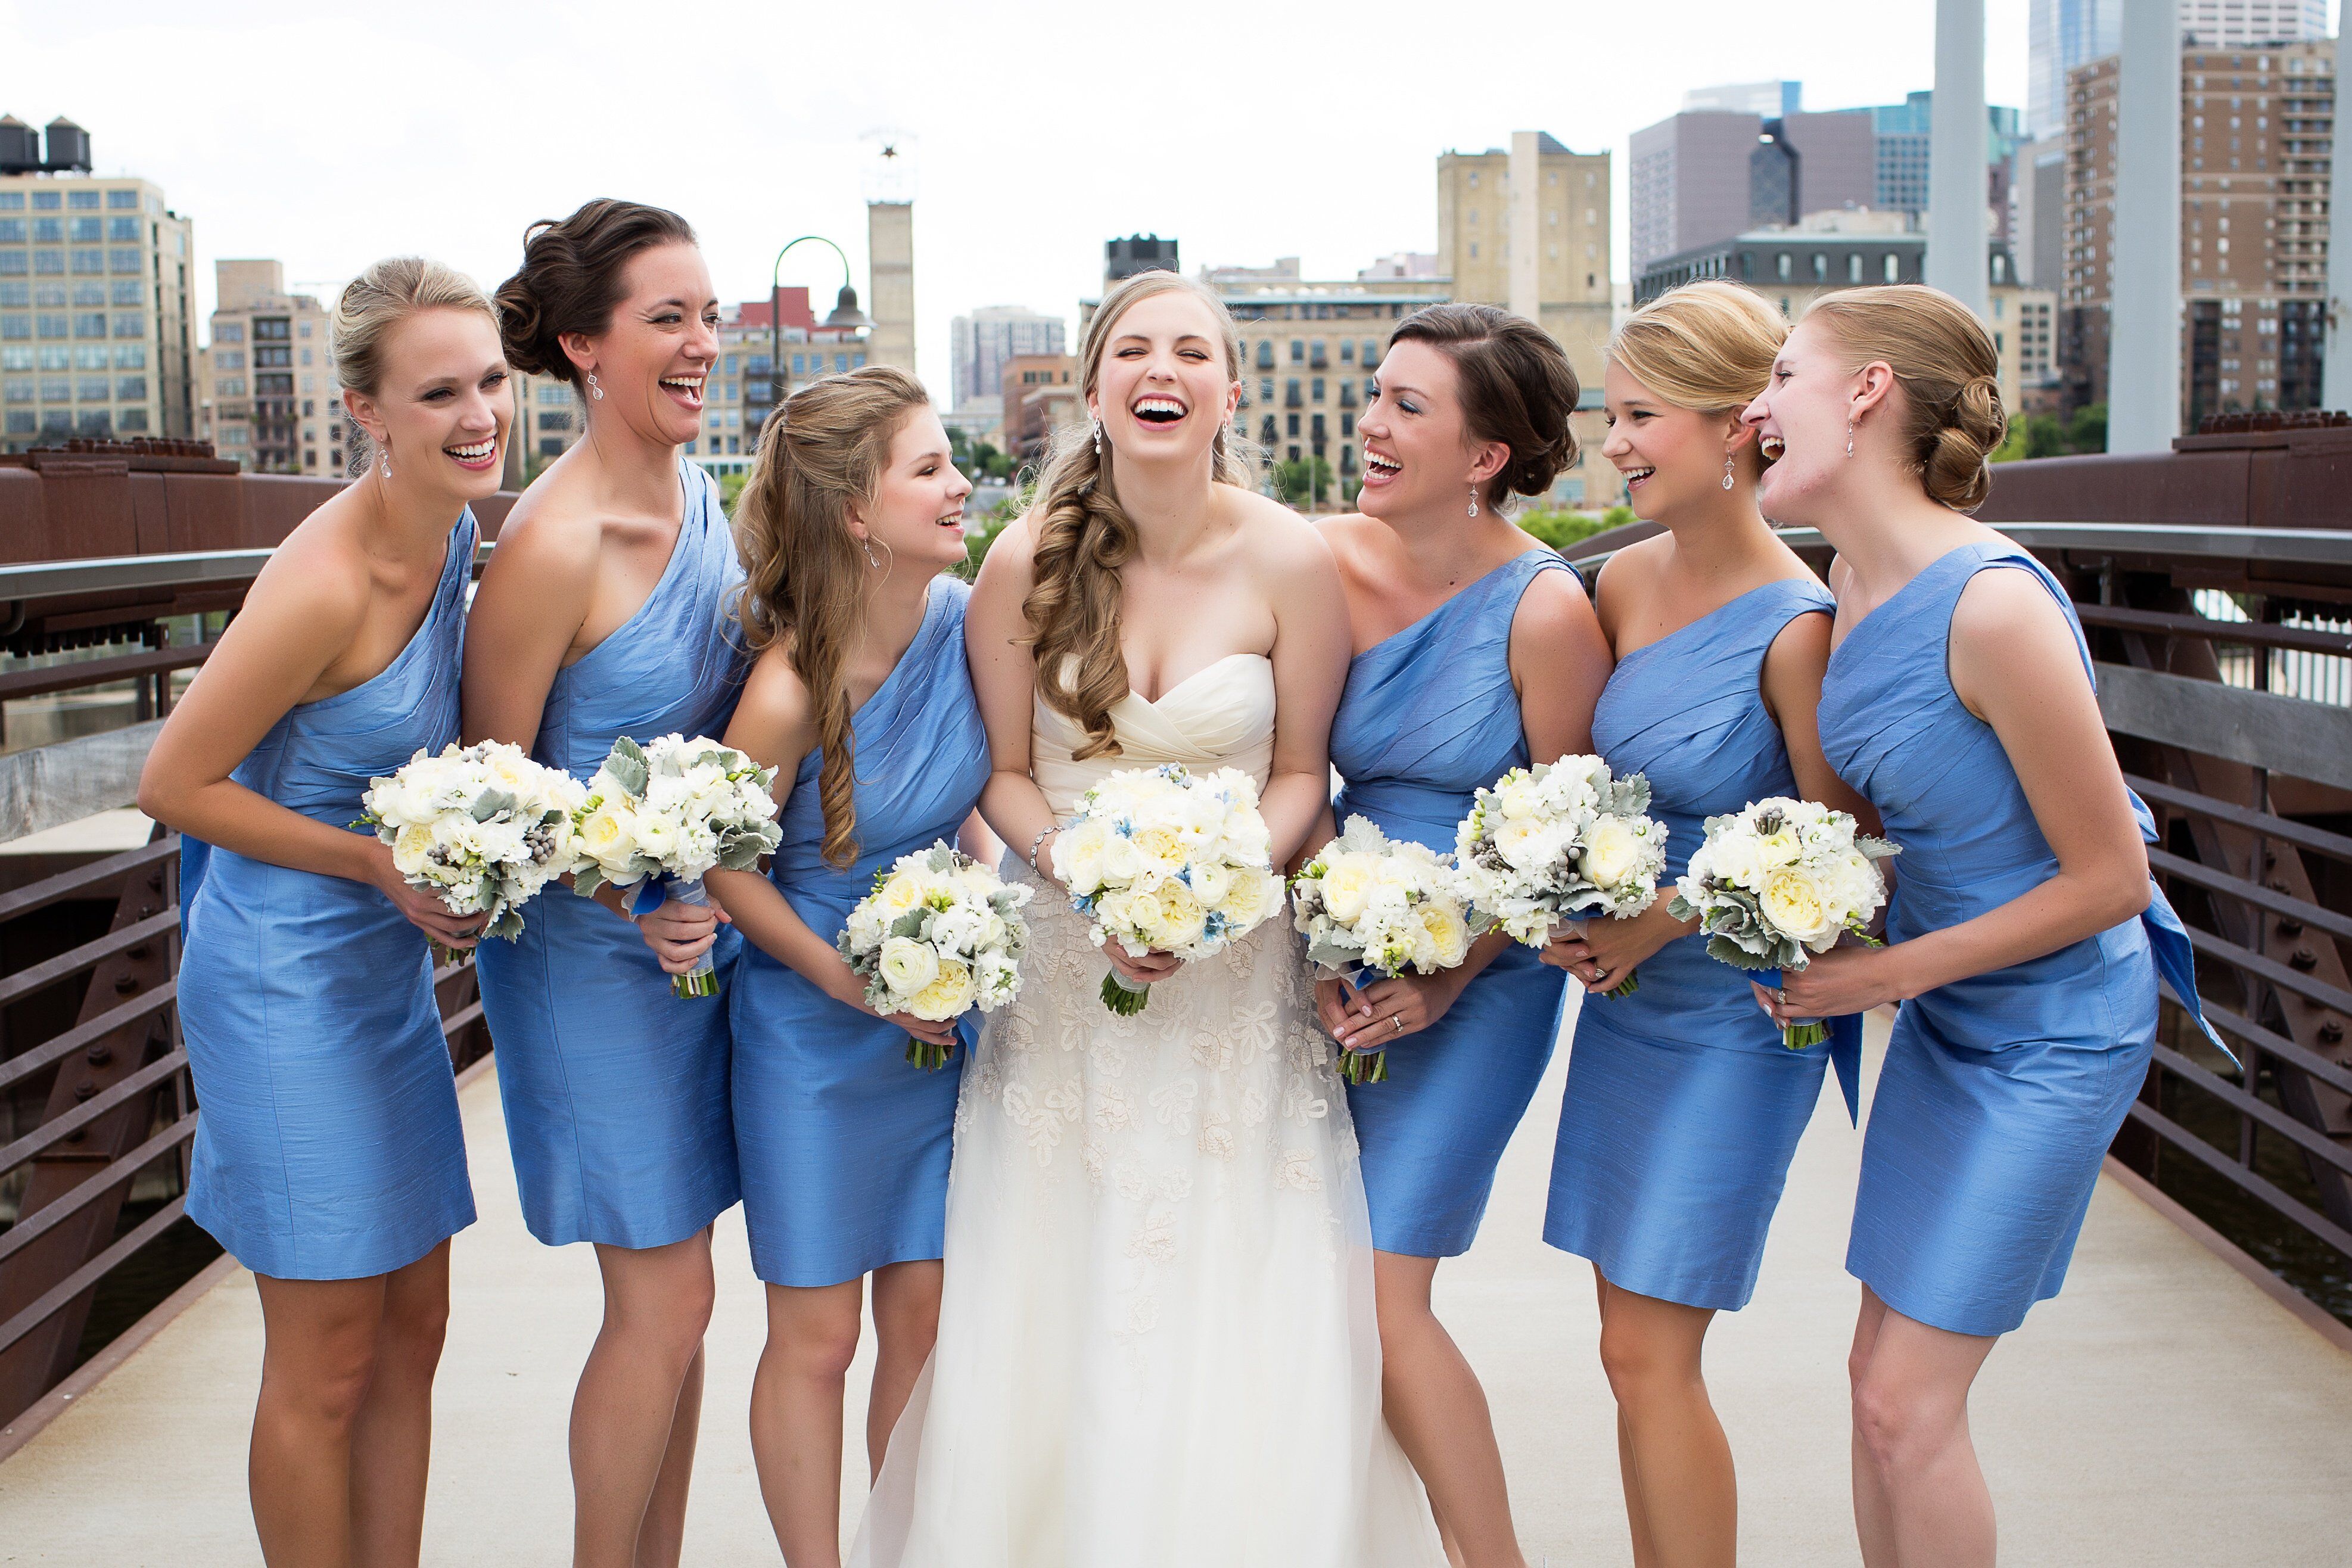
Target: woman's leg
1911, 1432
1681, 1498
906, 1326
1438, 1412
796, 1397
318, 1359
628, 1419
392, 1440
661, 1539
1874, 1516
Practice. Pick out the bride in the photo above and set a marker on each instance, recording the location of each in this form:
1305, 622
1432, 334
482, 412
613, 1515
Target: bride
1157, 1342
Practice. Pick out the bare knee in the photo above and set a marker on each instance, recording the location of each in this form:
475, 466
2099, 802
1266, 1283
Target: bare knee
661, 1302
325, 1384
813, 1341
1897, 1423
413, 1333
907, 1320
1650, 1349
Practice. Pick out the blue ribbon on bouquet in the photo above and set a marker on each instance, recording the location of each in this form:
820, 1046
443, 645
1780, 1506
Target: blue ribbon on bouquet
1844, 1044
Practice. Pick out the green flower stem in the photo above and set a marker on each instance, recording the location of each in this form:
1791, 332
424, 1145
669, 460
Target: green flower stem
1809, 1032
1123, 999
1364, 1066
702, 983
928, 1056
1624, 988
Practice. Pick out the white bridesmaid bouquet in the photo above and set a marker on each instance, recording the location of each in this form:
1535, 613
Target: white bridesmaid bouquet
1369, 901
1546, 844
484, 827
678, 808
1162, 859
939, 934
1779, 882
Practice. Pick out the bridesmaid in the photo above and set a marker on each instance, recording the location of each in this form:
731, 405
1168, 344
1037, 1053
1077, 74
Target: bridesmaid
1474, 650
1683, 1107
329, 1158
861, 699
604, 613
2025, 938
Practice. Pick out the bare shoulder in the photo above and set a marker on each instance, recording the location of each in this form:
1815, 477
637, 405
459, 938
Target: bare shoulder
1554, 604
2006, 602
548, 529
1278, 539
774, 689
1010, 566
1630, 571
319, 577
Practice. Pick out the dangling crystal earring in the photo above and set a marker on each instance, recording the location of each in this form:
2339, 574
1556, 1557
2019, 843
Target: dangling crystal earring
594, 391
1727, 473
871, 558
1095, 428
1849, 438
1474, 500
384, 452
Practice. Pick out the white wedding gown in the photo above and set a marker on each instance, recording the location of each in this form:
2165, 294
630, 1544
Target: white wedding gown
1157, 1345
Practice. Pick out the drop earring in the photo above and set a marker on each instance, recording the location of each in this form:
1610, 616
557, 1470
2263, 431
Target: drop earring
1474, 500
383, 454
594, 391
1849, 438
871, 558
1727, 472
1095, 430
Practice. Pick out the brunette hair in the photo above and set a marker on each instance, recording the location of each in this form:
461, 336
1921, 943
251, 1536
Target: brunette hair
823, 451
1081, 535
1516, 387
570, 279
1945, 364
372, 306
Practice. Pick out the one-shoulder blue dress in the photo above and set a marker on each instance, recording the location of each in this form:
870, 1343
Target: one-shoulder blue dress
615, 1090
1683, 1106
328, 1145
1427, 717
843, 1144
2001, 1091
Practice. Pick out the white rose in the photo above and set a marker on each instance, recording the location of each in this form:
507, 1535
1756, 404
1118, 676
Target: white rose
948, 994
907, 965
1347, 884
1613, 852
1211, 881
1518, 799
1181, 919
1528, 844
1255, 895
1448, 933
1737, 859
656, 835
412, 848
1122, 862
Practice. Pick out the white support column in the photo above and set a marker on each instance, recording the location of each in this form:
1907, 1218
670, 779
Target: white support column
1527, 224
2144, 319
1958, 190
2336, 376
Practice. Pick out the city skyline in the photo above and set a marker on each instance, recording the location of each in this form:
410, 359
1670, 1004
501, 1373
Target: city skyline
456, 164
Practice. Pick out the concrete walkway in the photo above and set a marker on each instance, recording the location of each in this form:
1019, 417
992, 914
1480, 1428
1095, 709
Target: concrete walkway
2164, 1410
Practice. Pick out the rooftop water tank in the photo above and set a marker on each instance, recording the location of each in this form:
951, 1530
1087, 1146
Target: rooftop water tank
69, 147
20, 146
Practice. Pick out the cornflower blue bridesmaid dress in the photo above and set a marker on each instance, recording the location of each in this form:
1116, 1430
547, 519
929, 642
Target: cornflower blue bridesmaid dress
1683, 1106
615, 1090
1427, 717
2000, 1091
328, 1146
844, 1144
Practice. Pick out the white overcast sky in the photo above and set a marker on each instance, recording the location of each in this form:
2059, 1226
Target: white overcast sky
326, 136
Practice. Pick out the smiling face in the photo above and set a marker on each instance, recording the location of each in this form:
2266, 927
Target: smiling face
443, 405
654, 358
917, 514
1164, 388
1672, 458
1419, 453
1800, 419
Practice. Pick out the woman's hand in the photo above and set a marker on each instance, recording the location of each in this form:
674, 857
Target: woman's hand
1604, 952
1843, 980
422, 907
1150, 969
1386, 1011
680, 933
844, 987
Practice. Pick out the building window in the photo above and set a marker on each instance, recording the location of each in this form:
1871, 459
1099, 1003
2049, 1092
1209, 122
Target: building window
129, 324
1266, 358
126, 292
86, 262
1318, 390
1347, 424
1853, 268
91, 325
1298, 351
48, 231
92, 389
1290, 424
1894, 267
1783, 267
47, 201
228, 331
1821, 268
49, 263
82, 200
228, 358
548, 447
130, 388
122, 201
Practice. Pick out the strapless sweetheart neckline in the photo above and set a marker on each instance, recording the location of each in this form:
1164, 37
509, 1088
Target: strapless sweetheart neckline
1205, 670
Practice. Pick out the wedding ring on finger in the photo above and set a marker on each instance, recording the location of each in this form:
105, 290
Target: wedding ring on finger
1397, 1019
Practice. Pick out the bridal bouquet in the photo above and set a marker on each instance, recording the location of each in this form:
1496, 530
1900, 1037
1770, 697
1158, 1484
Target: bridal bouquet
1166, 860
1371, 903
1779, 882
483, 826
1546, 843
939, 934
675, 808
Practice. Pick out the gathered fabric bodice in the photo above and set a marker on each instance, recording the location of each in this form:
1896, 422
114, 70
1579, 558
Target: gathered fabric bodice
1220, 716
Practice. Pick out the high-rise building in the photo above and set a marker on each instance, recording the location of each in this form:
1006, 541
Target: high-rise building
2242, 24
1703, 175
890, 272
2068, 34
2037, 211
981, 344
1039, 396
2257, 132
95, 336
1766, 100
269, 396
1905, 131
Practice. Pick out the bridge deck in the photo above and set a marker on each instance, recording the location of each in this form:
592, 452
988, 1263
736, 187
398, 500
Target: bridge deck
2163, 1410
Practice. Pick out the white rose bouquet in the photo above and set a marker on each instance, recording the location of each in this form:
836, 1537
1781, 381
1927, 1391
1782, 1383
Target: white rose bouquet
1166, 860
1779, 882
1546, 843
484, 827
1368, 902
676, 808
939, 934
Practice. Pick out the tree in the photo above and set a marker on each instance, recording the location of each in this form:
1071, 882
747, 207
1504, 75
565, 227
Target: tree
1296, 480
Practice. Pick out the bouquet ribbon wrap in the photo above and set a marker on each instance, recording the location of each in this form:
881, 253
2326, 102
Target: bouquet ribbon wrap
1844, 1039
702, 980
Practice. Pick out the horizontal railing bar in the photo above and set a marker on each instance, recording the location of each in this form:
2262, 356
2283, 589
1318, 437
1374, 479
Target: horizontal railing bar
25, 1064
55, 1300
2317, 839
40, 1139
27, 1231
2288, 1206
2261, 728
112, 573
460, 1018
2335, 1075
53, 678
2254, 634
2189, 1072
2277, 974
2276, 546
73, 960
40, 895
2197, 874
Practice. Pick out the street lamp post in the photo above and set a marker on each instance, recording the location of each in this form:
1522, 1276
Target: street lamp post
845, 314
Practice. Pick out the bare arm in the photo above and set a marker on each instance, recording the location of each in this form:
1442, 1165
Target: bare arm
533, 596
1310, 668
1005, 678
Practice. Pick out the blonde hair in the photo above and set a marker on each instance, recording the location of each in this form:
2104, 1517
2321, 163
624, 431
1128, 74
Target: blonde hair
372, 306
1945, 364
1707, 346
1082, 535
821, 453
